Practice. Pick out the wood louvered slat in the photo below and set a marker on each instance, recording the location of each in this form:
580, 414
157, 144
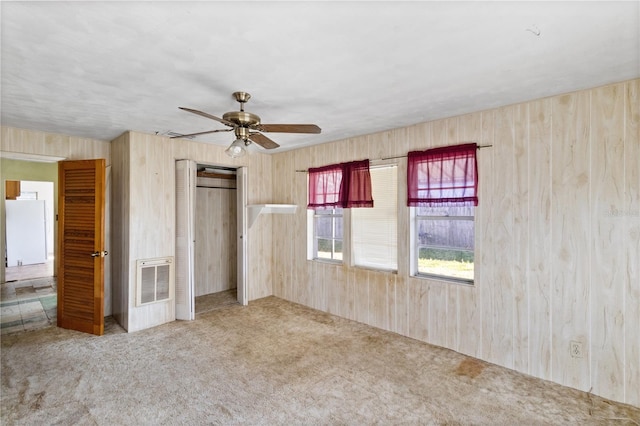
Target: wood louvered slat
81, 227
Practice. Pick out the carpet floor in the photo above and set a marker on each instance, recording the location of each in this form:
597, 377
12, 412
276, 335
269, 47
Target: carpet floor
272, 362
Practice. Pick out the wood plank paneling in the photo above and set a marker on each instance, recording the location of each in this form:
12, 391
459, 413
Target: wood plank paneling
539, 239
486, 260
632, 246
607, 269
539, 242
215, 246
571, 233
418, 309
120, 229
520, 235
470, 330
501, 334
378, 299
360, 280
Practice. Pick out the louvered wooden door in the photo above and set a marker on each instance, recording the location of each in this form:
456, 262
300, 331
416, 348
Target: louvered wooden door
81, 192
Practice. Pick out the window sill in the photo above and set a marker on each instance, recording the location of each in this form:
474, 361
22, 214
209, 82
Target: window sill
374, 269
328, 261
448, 280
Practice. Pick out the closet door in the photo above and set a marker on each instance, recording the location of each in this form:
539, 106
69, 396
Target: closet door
241, 191
185, 236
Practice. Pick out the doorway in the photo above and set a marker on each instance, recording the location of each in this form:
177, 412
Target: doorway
28, 296
29, 229
215, 263
26, 309
210, 243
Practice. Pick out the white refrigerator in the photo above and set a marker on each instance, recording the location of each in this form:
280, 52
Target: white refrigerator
26, 232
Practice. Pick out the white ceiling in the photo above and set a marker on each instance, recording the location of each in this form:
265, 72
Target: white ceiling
97, 69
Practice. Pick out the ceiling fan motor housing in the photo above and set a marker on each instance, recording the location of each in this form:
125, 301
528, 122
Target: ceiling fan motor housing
242, 133
242, 118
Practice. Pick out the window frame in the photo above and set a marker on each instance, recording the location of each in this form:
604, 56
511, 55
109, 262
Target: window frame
416, 246
313, 216
352, 247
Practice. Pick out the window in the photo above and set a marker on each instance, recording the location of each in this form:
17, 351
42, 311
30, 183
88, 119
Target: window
374, 230
444, 239
332, 188
442, 188
327, 234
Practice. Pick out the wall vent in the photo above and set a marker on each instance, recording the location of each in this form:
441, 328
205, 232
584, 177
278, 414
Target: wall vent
155, 280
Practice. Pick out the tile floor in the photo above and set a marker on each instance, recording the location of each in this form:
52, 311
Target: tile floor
27, 305
27, 272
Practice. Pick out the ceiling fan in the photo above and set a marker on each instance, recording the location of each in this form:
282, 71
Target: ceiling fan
247, 127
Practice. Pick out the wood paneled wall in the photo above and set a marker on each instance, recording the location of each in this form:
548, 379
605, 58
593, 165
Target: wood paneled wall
557, 241
147, 212
120, 227
557, 234
216, 234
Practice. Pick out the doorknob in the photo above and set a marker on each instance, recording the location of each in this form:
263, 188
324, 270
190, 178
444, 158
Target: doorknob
99, 253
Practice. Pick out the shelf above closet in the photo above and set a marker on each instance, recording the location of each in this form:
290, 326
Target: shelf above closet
254, 210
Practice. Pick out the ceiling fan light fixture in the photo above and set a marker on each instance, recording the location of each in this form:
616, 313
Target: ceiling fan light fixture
248, 128
236, 149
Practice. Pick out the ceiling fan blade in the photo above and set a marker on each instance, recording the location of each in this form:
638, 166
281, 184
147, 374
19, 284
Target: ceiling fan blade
200, 133
213, 117
263, 141
289, 128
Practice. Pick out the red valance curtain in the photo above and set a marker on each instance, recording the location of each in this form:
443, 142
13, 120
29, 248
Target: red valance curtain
343, 185
356, 184
325, 184
445, 176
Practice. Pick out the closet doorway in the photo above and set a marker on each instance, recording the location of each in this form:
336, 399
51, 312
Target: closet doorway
215, 263
210, 263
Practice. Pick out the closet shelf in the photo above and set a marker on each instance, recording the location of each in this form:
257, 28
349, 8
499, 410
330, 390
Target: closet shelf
254, 210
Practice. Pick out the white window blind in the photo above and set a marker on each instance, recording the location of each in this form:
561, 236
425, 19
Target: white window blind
374, 230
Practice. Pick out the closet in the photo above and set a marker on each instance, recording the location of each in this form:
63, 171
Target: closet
211, 241
215, 231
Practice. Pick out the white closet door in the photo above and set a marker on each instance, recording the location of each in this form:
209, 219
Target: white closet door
185, 236
241, 191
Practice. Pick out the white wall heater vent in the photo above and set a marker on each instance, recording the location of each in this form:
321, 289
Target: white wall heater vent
155, 278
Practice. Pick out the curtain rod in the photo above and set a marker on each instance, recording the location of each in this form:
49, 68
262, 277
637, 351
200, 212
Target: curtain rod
393, 158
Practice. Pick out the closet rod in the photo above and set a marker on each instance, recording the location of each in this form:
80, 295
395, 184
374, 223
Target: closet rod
214, 187
393, 158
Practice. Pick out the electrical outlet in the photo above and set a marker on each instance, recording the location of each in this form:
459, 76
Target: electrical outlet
575, 348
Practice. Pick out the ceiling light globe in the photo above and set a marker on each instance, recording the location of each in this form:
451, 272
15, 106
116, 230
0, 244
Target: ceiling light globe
236, 149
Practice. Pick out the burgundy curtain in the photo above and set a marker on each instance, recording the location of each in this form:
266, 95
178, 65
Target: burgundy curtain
343, 185
446, 176
356, 184
325, 186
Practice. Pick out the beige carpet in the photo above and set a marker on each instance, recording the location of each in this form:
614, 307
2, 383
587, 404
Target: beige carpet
272, 362
210, 302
